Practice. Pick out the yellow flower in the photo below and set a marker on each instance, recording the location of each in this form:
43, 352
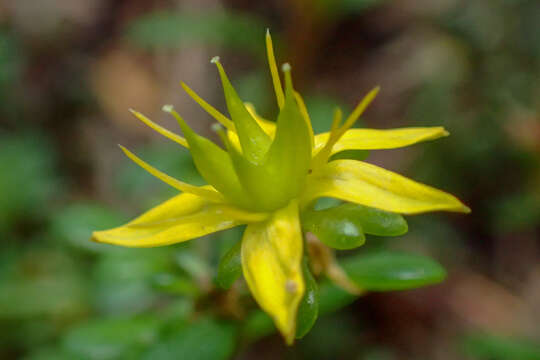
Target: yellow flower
268, 175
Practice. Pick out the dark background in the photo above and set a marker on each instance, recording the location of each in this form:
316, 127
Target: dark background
69, 70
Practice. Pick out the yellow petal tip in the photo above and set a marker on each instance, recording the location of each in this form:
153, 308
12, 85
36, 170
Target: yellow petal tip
215, 60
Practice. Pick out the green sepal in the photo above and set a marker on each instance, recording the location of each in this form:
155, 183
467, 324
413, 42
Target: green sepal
213, 163
308, 310
253, 140
389, 270
280, 176
289, 156
336, 227
230, 266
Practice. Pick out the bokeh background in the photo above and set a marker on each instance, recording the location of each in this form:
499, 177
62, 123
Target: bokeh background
69, 71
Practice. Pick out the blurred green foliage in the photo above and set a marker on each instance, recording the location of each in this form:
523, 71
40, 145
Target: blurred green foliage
64, 297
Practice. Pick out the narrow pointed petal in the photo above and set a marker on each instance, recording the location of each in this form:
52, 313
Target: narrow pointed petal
271, 262
372, 139
167, 133
205, 192
254, 140
370, 185
183, 217
303, 110
212, 111
213, 163
280, 97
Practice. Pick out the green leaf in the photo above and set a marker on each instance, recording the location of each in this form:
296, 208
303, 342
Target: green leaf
333, 298
257, 325
175, 284
308, 311
206, 339
73, 224
342, 226
179, 30
336, 228
230, 266
112, 338
386, 270
375, 221
493, 347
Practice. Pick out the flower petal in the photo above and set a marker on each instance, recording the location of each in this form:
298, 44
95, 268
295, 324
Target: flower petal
212, 111
271, 262
370, 185
372, 139
181, 218
206, 192
160, 129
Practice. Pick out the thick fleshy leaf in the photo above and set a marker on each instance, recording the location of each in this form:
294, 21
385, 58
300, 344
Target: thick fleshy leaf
181, 218
372, 221
271, 262
372, 139
336, 227
230, 267
387, 270
372, 186
308, 311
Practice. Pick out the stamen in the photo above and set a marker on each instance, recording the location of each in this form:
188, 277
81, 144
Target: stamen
212, 111
273, 70
177, 184
167, 133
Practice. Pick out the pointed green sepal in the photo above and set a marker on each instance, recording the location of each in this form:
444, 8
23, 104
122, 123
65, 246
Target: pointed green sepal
253, 140
281, 175
213, 163
289, 157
